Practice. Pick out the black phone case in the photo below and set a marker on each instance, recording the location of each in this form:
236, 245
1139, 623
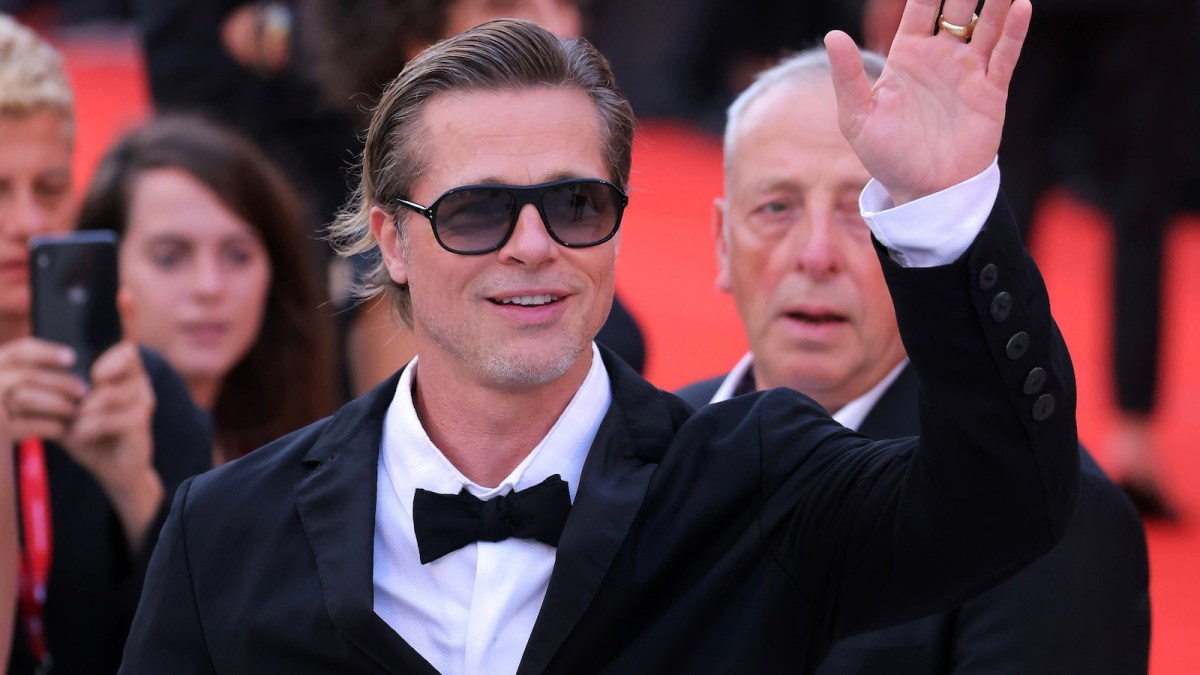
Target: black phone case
73, 282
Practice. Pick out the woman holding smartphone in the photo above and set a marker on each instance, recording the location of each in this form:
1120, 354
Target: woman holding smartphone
99, 462
214, 257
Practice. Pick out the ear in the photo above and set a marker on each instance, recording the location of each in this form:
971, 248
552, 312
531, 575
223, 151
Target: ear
721, 239
127, 310
383, 228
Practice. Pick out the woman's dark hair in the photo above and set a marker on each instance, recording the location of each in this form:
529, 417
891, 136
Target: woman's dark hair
286, 379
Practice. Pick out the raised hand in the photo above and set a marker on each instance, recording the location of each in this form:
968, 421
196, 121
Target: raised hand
934, 118
106, 429
112, 433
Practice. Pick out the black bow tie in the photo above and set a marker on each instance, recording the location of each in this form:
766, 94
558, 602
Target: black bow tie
446, 523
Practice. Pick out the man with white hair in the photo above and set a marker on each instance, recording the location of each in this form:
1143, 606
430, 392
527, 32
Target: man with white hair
798, 259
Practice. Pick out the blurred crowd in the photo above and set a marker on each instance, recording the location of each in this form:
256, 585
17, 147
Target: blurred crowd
234, 303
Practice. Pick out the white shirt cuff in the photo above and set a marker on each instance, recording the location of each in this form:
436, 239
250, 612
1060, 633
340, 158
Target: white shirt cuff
933, 230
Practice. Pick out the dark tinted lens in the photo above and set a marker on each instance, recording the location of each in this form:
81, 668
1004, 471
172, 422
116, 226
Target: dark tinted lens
474, 219
581, 213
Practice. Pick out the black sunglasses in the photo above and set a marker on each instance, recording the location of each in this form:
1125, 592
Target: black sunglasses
477, 219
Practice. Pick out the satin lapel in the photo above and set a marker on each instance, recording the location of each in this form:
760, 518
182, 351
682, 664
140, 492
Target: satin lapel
629, 445
895, 413
336, 502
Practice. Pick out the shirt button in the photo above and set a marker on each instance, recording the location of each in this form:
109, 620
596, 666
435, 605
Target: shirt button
988, 276
1034, 381
1043, 408
1017, 345
1001, 306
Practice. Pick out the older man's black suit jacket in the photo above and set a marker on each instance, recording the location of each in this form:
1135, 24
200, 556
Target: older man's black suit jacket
1084, 607
745, 537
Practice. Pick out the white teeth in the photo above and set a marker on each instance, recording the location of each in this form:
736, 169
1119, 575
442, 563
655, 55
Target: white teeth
530, 300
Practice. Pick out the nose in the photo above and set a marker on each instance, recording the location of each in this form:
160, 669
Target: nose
25, 217
530, 243
817, 244
208, 279
560, 17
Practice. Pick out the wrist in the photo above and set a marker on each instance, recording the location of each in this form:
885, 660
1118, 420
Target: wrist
136, 500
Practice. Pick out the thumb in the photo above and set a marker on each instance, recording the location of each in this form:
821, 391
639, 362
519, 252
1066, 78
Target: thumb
850, 83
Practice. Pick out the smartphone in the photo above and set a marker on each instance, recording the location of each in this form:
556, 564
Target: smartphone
73, 287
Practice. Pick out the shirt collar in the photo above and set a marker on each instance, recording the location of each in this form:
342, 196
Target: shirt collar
740, 381
411, 460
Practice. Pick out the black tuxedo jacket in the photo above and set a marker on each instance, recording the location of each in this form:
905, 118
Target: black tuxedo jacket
1084, 607
745, 537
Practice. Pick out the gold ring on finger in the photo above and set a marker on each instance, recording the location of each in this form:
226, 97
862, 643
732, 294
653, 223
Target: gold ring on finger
962, 32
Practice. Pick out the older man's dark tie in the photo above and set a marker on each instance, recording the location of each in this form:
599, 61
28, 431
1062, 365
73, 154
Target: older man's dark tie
446, 523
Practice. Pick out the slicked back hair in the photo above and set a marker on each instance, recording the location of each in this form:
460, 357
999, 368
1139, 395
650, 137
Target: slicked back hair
500, 55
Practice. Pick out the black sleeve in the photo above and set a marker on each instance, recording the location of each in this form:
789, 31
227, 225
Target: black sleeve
167, 636
879, 533
1084, 607
183, 443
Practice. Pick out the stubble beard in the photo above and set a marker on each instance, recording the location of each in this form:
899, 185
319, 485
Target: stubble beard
493, 359
499, 364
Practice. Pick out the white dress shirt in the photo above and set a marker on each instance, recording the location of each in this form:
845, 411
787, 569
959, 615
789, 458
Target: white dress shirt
850, 415
473, 610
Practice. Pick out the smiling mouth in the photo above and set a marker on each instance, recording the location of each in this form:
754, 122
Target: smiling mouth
528, 300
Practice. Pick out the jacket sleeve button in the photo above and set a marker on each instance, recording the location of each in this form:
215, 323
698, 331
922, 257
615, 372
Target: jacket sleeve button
1017, 345
988, 276
1043, 408
1034, 381
1001, 306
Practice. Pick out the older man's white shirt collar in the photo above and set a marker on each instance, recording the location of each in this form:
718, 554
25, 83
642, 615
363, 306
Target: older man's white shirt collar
473, 609
850, 415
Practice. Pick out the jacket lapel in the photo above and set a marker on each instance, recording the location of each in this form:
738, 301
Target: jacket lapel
336, 502
629, 445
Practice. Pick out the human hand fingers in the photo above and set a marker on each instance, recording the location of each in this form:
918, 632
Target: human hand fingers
1006, 45
113, 441
958, 13
121, 402
118, 363
918, 18
48, 428
37, 391
101, 424
31, 352
850, 84
35, 401
116, 397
